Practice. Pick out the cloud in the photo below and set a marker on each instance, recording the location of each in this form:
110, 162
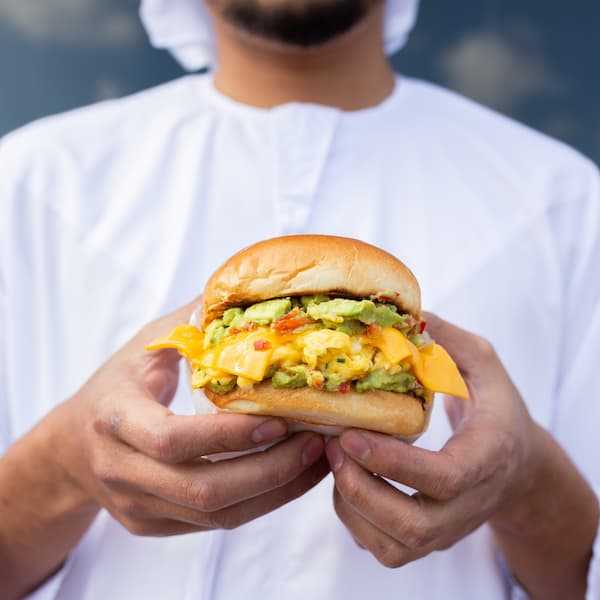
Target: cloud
497, 69
80, 22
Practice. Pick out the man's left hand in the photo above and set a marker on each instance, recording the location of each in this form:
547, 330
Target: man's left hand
484, 470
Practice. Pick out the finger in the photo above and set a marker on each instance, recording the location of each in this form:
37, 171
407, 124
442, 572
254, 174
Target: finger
211, 487
388, 551
404, 518
420, 523
490, 386
166, 518
442, 475
228, 482
472, 353
248, 510
456, 411
155, 431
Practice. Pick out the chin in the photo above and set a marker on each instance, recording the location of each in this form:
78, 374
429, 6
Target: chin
293, 23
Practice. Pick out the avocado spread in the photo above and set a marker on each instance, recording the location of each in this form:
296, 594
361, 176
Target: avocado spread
357, 367
291, 377
380, 379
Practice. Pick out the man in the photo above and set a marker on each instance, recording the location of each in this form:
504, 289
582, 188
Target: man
115, 214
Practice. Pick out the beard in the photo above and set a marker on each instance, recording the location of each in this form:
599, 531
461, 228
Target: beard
306, 24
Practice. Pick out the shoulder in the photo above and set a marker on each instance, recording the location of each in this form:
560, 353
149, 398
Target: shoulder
479, 136
78, 167
450, 111
87, 133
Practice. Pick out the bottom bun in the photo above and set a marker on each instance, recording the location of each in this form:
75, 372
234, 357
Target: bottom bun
308, 409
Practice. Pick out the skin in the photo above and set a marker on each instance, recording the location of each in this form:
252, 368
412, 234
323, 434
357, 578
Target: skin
350, 72
499, 467
116, 445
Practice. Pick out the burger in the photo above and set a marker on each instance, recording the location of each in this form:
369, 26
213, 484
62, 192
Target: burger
324, 331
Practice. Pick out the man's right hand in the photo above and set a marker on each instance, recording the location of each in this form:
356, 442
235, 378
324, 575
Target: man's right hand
115, 444
144, 463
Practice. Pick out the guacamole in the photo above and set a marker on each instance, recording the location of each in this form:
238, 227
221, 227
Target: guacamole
357, 366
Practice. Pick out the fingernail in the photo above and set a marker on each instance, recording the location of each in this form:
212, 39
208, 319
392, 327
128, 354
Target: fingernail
335, 455
269, 431
312, 451
356, 445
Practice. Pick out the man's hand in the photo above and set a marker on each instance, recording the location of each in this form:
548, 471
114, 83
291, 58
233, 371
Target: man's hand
143, 463
115, 444
499, 465
483, 468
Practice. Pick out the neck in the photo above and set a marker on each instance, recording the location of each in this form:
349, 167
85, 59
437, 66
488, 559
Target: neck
349, 73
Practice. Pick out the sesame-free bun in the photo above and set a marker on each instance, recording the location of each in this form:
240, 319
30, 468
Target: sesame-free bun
318, 264
309, 264
309, 409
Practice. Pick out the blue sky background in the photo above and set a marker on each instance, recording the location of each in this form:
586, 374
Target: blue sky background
538, 61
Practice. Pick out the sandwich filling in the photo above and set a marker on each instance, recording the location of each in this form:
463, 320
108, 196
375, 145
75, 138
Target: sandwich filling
329, 343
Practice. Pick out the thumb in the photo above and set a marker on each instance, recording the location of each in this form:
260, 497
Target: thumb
456, 409
160, 381
473, 354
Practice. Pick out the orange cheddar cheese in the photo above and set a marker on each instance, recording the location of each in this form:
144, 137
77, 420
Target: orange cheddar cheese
186, 339
250, 354
438, 372
392, 343
240, 357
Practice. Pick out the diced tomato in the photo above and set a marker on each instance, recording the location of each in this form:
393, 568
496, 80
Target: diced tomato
390, 298
373, 330
262, 345
422, 326
291, 321
344, 387
233, 330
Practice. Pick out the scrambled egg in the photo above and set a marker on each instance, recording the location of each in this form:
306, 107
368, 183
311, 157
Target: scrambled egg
248, 357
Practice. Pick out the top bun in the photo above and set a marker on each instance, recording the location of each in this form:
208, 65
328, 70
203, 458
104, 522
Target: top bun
297, 265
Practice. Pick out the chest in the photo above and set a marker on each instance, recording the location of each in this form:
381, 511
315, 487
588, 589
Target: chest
143, 247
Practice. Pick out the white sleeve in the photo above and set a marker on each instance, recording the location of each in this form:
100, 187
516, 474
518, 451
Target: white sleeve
5, 427
49, 589
517, 592
576, 420
4, 416
593, 589
574, 221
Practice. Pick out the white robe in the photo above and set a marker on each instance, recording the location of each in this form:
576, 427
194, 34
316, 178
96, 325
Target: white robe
114, 214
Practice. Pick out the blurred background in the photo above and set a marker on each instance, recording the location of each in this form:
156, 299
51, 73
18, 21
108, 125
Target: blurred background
537, 61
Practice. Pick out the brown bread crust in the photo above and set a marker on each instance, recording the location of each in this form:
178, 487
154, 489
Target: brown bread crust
309, 264
396, 414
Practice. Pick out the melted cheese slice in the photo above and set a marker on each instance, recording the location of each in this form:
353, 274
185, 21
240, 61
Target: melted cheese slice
438, 372
392, 343
237, 355
186, 339
433, 366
